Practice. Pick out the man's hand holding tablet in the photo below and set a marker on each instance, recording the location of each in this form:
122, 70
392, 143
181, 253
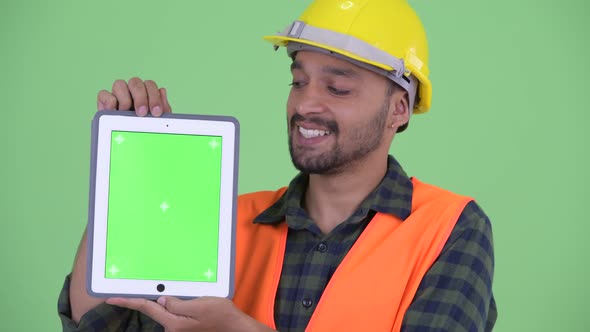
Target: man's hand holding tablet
145, 97
202, 314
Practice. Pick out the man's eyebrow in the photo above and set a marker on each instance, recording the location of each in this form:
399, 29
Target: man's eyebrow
296, 65
337, 71
350, 73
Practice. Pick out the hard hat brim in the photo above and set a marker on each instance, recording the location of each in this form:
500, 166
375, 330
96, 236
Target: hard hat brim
282, 41
425, 91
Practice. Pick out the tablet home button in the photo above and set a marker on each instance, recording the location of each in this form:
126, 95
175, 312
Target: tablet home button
160, 288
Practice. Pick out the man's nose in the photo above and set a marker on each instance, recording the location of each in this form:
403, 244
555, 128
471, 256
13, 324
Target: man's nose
310, 100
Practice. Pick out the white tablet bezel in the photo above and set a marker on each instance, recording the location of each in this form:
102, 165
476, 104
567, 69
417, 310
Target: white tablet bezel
103, 124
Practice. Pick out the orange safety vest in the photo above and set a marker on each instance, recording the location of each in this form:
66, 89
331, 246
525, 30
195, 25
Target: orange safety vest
376, 281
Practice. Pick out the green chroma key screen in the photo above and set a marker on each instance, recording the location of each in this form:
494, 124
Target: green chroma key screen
163, 207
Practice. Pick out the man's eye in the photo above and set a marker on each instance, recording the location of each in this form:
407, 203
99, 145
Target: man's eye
296, 84
338, 92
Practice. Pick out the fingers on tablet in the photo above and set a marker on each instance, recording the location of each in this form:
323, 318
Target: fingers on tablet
149, 308
153, 97
106, 101
138, 95
122, 95
165, 104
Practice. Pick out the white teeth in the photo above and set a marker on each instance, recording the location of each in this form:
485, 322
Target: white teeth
310, 133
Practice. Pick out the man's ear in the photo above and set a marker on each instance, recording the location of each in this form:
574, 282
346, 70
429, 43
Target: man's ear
400, 109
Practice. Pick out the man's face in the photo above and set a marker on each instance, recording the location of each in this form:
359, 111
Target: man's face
337, 113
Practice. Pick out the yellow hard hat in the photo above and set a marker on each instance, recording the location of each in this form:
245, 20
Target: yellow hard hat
385, 36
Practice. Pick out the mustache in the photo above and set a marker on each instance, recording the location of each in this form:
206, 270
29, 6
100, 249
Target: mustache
330, 124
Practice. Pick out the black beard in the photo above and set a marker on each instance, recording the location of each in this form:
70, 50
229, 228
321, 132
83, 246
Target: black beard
315, 166
366, 139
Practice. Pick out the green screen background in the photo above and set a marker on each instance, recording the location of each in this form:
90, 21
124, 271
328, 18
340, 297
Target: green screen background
508, 126
163, 207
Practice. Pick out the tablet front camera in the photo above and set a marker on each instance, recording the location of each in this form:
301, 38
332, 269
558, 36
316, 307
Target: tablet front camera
160, 288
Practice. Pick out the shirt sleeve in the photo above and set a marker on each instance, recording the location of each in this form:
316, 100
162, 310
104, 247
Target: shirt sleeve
103, 317
456, 292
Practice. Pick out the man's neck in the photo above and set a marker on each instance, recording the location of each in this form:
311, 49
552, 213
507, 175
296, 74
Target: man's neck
331, 199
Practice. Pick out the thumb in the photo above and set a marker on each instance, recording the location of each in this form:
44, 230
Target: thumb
176, 306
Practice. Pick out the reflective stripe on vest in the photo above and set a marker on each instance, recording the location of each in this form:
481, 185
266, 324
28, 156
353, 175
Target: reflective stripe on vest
375, 283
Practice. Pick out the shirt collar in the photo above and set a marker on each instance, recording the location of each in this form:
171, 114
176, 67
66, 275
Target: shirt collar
393, 196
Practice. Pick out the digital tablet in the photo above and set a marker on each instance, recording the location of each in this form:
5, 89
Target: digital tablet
162, 206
